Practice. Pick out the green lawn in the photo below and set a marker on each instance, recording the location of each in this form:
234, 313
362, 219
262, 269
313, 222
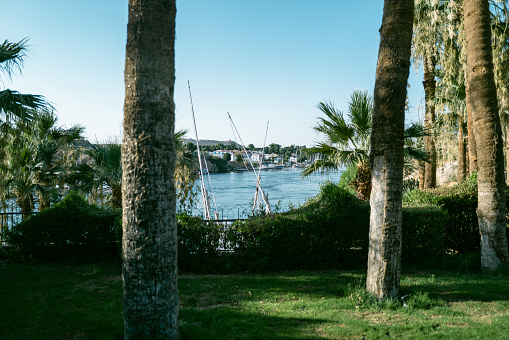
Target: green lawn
48, 301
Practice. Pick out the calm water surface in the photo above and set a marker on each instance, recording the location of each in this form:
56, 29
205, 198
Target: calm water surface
234, 192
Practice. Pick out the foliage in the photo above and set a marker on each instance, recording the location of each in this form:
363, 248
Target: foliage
424, 235
12, 103
34, 160
227, 156
346, 142
348, 177
460, 202
222, 164
199, 244
70, 230
330, 231
185, 174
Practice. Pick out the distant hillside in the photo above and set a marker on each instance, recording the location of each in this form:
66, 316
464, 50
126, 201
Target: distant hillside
211, 142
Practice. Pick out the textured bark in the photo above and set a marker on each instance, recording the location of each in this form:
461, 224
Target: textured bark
148, 163
362, 181
472, 148
462, 154
429, 83
387, 139
421, 174
506, 155
488, 135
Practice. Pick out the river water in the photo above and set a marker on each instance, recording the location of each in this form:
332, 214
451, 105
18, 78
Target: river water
234, 191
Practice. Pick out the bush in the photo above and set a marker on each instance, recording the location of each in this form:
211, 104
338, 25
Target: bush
70, 230
424, 235
460, 202
348, 177
199, 244
329, 232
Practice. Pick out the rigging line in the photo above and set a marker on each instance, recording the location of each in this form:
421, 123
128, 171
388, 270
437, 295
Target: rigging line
242, 145
206, 207
211, 189
252, 166
258, 177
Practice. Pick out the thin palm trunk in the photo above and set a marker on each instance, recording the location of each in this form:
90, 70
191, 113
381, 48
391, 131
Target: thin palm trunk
462, 153
421, 174
387, 141
429, 83
472, 148
148, 161
488, 135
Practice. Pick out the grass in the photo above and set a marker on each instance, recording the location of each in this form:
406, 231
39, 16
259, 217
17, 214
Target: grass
55, 301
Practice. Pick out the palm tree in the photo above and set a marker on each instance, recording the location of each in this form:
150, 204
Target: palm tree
148, 162
185, 174
106, 170
32, 160
488, 135
13, 103
348, 141
386, 154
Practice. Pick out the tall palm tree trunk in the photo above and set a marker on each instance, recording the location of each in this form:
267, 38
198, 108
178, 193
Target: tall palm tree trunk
462, 153
148, 161
387, 141
472, 148
488, 135
429, 83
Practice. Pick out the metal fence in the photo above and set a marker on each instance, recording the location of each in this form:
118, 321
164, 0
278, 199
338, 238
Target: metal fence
9, 219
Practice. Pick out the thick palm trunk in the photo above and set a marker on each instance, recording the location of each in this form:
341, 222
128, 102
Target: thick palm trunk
488, 135
387, 139
472, 148
148, 162
462, 153
429, 83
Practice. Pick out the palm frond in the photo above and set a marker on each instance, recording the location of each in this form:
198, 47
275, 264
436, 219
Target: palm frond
360, 111
18, 105
11, 56
416, 130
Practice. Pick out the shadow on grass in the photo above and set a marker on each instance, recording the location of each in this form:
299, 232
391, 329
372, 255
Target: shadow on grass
235, 323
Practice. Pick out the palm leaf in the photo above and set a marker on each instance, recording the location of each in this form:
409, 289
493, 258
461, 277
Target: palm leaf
11, 56
13, 103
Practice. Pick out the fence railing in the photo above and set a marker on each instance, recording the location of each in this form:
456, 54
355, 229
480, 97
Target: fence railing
9, 219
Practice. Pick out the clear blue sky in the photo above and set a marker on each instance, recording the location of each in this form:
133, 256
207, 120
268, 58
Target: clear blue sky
259, 60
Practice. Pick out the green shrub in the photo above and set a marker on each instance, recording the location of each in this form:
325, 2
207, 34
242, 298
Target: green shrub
348, 177
460, 203
329, 232
70, 230
199, 244
424, 235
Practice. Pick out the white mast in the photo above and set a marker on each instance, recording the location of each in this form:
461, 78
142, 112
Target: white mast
204, 193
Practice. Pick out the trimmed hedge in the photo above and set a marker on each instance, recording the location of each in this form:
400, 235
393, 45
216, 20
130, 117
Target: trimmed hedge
70, 230
330, 231
460, 202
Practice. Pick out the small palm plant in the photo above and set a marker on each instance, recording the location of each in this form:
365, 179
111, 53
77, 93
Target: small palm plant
347, 143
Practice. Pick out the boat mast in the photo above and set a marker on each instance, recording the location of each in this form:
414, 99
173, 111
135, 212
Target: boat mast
204, 194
